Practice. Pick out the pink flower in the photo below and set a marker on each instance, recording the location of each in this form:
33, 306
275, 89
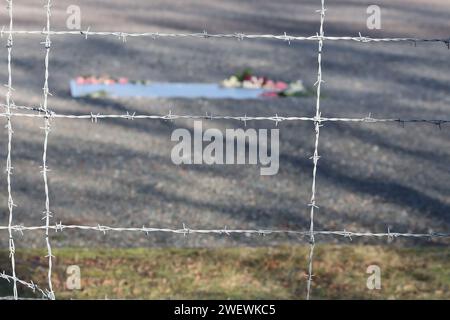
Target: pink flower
80, 80
91, 80
259, 81
280, 85
123, 80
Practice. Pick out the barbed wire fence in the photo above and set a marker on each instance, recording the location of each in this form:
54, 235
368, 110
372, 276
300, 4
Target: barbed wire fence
43, 111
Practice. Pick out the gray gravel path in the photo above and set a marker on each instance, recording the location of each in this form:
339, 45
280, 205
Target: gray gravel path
119, 172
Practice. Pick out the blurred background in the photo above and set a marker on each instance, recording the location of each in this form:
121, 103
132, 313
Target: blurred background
119, 172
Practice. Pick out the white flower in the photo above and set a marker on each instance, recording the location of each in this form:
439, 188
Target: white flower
250, 85
232, 82
298, 86
295, 87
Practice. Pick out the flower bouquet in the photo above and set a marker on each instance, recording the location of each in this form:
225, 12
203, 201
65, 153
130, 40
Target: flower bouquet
271, 88
106, 80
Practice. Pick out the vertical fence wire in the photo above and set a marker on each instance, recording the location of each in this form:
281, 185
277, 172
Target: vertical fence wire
46, 128
9, 167
315, 157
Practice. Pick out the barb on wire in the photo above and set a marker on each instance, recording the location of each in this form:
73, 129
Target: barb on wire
121, 35
36, 109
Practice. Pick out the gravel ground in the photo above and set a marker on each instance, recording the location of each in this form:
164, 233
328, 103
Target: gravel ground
119, 173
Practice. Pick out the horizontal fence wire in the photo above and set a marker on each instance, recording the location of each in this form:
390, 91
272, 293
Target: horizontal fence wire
44, 112
94, 117
205, 35
226, 231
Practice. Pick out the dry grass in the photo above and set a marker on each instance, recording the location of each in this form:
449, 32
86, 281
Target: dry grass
243, 273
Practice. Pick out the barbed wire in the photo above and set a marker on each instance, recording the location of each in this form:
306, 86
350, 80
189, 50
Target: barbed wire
185, 230
237, 35
12, 298
225, 231
31, 285
315, 157
46, 128
9, 167
94, 117
37, 109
